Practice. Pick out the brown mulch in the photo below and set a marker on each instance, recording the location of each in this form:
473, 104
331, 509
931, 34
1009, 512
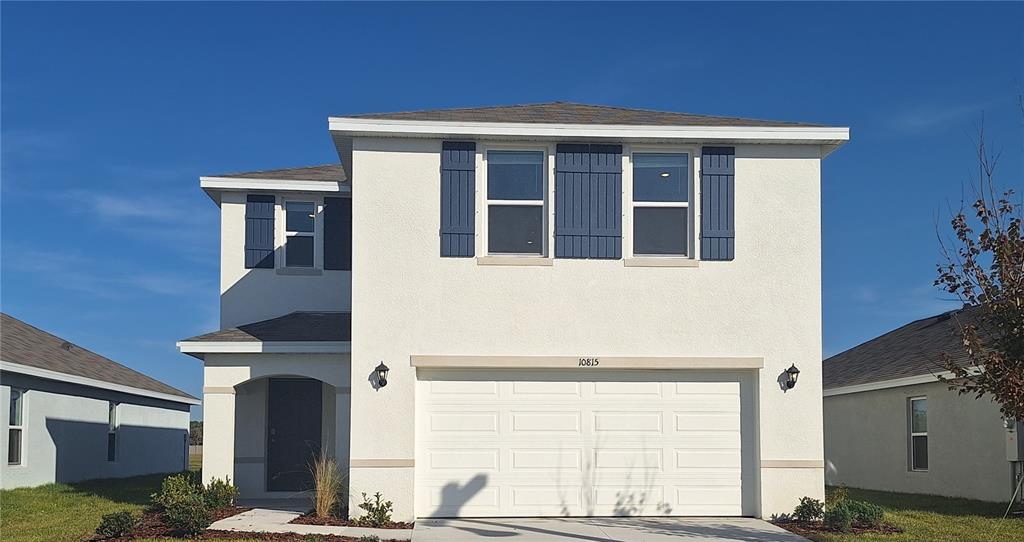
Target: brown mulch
310, 518
805, 528
278, 537
152, 524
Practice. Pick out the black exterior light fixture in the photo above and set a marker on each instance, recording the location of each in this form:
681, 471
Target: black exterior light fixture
791, 375
382, 375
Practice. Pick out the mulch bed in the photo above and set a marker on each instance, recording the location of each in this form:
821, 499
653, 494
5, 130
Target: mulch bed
805, 528
278, 537
310, 518
153, 526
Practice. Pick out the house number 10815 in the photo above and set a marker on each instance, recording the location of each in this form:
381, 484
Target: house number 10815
589, 362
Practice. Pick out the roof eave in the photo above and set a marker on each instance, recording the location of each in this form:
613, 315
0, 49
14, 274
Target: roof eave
214, 186
94, 383
198, 348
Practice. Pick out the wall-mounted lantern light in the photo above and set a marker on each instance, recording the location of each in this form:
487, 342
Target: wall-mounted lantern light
382, 375
791, 375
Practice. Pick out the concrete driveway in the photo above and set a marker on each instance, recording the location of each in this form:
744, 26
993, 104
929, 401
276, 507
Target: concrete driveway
601, 530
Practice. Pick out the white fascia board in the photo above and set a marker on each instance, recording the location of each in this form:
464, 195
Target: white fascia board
886, 384
276, 185
93, 383
264, 347
833, 136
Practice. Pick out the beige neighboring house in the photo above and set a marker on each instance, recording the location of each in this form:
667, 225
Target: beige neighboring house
891, 425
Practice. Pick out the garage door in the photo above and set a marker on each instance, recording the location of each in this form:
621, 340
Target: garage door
546, 444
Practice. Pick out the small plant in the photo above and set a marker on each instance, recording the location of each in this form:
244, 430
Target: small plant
189, 516
839, 518
117, 524
378, 513
866, 514
220, 494
178, 488
328, 486
837, 496
369, 538
809, 509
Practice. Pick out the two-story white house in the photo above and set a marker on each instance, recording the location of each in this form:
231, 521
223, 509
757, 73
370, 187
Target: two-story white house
583, 311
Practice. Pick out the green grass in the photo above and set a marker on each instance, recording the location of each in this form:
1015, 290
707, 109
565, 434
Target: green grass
69, 513
928, 518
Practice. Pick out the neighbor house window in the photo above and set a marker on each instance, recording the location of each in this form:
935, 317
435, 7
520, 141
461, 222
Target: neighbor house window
919, 433
515, 202
111, 431
299, 234
661, 204
14, 431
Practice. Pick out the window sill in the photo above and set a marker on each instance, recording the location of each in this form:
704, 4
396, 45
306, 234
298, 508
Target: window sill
535, 261
668, 261
301, 271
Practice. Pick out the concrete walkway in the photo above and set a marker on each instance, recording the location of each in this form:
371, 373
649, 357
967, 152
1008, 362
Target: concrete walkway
276, 520
602, 530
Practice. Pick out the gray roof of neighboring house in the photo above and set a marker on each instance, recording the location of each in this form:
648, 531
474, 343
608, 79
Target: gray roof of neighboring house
573, 113
24, 344
332, 173
915, 349
297, 326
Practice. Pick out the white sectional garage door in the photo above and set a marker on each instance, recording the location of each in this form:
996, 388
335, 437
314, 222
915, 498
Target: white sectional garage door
543, 444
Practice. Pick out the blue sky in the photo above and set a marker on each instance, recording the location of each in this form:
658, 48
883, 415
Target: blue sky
111, 112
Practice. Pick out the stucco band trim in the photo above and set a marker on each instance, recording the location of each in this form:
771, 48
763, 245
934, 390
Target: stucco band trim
792, 464
584, 362
380, 463
222, 390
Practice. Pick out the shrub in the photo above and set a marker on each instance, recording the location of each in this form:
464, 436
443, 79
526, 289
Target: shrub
117, 524
866, 514
220, 494
189, 516
369, 538
378, 514
178, 488
809, 509
839, 518
837, 496
328, 485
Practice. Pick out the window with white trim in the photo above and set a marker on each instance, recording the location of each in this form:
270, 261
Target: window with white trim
112, 431
515, 202
299, 233
15, 431
919, 433
661, 204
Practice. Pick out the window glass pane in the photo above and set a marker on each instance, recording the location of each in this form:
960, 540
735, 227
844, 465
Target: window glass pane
298, 251
111, 446
659, 230
515, 229
16, 401
299, 216
515, 175
920, 452
112, 416
660, 177
919, 416
14, 446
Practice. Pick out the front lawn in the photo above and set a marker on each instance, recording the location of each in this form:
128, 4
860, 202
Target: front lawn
926, 518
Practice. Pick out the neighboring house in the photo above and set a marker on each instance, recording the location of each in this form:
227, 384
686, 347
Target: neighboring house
75, 415
891, 425
585, 310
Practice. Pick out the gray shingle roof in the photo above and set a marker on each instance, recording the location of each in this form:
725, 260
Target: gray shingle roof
912, 350
573, 113
24, 344
297, 326
327, 173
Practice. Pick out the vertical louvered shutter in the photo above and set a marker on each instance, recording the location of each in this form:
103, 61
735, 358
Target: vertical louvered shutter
458, 197
338, 234
588, 201
259, 232
717, 203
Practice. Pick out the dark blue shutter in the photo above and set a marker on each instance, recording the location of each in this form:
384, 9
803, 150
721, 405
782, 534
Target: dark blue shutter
588, 201
717, 203
259, 232
338, 233
458, 199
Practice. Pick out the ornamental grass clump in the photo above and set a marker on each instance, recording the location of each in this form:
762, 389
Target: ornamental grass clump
328, 486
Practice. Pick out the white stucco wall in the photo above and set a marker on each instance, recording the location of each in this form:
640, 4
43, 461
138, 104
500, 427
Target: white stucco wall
407, 301
251, 295
64, 436
966, 443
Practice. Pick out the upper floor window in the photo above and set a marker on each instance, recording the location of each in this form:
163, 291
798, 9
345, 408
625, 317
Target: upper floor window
111, 431
919, 433
515, 202
300, 231
14, 431
661, 204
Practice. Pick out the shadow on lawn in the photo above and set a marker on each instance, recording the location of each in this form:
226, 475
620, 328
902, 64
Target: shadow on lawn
948, 506
132, 490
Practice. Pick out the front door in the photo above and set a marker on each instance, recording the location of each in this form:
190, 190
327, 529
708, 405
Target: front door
294, 411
